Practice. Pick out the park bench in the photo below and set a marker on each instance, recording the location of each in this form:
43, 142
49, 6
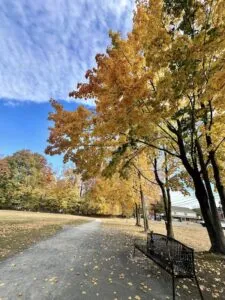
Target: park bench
171, 255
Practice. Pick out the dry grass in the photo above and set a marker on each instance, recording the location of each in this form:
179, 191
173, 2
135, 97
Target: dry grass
18, 229
191, 234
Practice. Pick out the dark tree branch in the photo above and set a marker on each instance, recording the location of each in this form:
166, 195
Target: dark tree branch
167, 133
158, 148
143, 174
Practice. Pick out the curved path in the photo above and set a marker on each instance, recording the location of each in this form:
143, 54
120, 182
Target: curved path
89, 261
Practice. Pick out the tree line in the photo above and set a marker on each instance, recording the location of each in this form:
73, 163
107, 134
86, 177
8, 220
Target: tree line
27, 182
159, 93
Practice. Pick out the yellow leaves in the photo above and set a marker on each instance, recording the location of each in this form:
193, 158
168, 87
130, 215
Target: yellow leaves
53, 280
144, 287
110, 280
94, 281
215, 295
140, 82
122, 85
150, 32
69, 130
218, 81
112, 196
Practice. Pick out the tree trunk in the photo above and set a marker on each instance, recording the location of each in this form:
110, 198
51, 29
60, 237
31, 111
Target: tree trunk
143, 204
81, 189
169, 226
213, 226
212, 156
137, 215
155, 218
166, 200
212, 203
218, 181
211, 219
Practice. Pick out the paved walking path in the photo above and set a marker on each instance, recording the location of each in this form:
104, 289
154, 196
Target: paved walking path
89, 261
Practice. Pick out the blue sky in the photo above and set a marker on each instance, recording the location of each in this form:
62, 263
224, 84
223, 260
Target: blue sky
24, 125
46, 47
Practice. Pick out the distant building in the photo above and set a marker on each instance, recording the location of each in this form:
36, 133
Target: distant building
183, 214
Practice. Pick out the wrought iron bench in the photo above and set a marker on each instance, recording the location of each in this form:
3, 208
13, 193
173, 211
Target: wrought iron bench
171, 255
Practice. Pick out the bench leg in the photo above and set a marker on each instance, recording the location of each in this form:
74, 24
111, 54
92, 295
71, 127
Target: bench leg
173, 286
200, 292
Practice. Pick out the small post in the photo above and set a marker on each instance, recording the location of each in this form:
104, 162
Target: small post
173, 283
200, 292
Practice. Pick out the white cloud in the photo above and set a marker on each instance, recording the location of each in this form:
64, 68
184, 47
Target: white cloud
47, 45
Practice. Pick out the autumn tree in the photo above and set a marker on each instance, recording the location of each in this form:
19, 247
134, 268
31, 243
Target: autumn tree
161, 87
23, 176
6, 185
204, 22
166, 194
197, 58
62, 194
144, 185
110, 196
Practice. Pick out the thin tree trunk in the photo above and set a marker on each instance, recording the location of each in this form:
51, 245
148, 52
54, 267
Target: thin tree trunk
169, 214
155, 218
81, 189
145, 216
218, 180
166, 201
137, 215
169, 224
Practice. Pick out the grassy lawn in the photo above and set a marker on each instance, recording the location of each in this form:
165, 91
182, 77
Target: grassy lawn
19, 230
210, 268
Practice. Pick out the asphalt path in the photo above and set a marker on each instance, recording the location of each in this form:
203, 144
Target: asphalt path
89, 261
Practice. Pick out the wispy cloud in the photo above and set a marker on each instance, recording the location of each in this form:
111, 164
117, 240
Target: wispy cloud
47, 45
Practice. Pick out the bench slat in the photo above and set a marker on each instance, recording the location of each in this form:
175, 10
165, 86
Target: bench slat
168, 253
